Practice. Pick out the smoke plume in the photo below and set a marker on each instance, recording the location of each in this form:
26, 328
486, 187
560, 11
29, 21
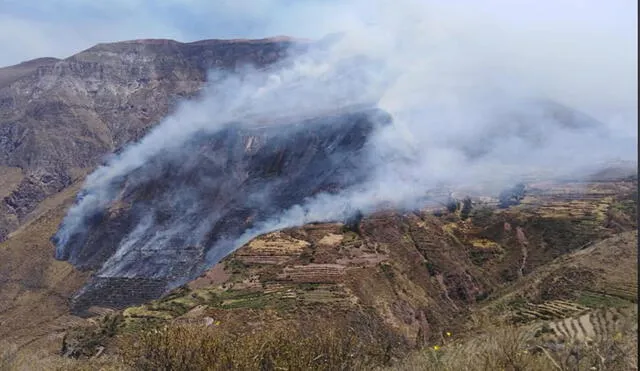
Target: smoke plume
481, 96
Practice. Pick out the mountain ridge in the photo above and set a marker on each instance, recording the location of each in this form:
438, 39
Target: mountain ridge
58, 118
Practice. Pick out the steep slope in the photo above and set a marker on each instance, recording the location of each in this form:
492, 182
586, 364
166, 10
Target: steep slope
11, 74
182, 211
422, 274
417, 275
164, 220
58, 118
602, 275
34, 287
578, 311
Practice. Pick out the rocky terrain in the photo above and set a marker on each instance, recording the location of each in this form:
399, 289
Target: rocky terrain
541, 256
59, 118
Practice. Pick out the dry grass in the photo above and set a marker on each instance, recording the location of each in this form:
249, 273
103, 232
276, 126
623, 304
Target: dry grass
10, 179
278, 347
12, 359
35, 287
349, 343
505, 349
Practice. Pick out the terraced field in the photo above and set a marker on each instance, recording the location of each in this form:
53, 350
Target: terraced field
553, 266
549, 310
588, 327
540, 345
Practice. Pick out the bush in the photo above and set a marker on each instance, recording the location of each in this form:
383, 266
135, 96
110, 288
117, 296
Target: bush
14, 359
506, 348
193, 347
482, 216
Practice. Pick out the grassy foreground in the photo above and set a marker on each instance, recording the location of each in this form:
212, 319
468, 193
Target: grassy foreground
329, 347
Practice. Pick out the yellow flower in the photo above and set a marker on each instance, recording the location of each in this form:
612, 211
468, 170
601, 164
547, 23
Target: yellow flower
448, 333
436, 347
217, 323
617, 336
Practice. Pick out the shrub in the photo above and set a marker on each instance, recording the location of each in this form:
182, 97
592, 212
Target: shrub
512, 196
192, 347
505, 348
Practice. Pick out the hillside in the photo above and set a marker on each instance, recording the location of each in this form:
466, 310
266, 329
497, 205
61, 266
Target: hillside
178, 214
424, 274
407, 278
138, 268
59, 118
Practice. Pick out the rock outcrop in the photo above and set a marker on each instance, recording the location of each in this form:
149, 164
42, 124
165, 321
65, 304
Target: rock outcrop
58, 118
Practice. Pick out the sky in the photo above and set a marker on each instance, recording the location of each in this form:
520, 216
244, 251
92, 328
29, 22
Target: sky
59, 28
593, 43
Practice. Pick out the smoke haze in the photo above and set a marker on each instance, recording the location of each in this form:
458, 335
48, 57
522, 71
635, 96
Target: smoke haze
481, 95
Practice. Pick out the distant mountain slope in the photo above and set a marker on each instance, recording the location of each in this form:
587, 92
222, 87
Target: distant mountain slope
10, 74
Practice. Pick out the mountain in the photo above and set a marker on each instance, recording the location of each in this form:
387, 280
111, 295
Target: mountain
401, 281
182, 211
59, 118
158, 250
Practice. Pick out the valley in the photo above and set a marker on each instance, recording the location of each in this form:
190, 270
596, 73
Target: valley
413, 277
168, 205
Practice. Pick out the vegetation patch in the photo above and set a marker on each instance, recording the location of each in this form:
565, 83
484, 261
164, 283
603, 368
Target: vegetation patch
387, 270
482, 216
280, 346
483, 243
597, 300
505, 348
236, 266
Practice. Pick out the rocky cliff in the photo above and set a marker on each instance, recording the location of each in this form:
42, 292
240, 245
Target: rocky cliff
58, 118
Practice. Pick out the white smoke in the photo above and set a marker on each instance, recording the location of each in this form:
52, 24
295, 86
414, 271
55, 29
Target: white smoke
465, 75
469, 85
313, 84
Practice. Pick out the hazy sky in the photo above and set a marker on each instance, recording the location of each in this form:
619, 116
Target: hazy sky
585, 50
36, 28
59, 28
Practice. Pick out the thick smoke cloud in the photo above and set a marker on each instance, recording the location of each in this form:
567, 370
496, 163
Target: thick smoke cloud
479, 94
305, 86
481, 91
